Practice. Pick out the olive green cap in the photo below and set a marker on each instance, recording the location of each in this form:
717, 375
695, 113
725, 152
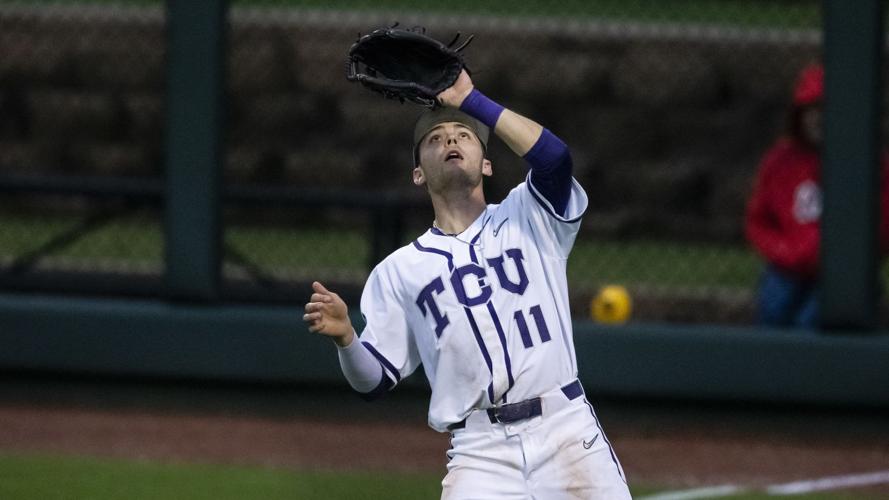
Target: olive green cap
435, 117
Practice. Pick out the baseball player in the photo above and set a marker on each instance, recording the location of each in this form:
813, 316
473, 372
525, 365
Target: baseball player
481, 300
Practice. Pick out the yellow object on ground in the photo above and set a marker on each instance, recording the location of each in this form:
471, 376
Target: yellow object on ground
612, 305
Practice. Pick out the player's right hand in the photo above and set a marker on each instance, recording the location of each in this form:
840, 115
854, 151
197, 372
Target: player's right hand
454, 95
327, 314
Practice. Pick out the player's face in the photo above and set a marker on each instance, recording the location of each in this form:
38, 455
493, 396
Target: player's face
451, 157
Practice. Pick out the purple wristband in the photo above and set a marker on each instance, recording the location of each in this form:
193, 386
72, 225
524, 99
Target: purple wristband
480, 107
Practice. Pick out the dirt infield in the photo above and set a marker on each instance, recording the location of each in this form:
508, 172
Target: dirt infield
666, 444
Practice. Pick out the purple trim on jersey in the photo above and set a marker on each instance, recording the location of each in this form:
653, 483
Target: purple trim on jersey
479, 106
502, 336
382, 359
443, 253
379, 391
546, 205
481, 345
472, 244
436, 231
573, 390
475, 238
610, 448
551, 165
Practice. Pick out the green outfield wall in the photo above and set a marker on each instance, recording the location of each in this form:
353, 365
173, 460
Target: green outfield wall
119, 339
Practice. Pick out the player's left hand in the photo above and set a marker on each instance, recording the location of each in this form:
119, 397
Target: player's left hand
454, 95
327, 314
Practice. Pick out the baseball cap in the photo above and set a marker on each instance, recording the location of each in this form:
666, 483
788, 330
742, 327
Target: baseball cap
809, 86
435, 117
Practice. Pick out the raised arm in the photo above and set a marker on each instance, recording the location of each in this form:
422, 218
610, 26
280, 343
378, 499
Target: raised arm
518, 132
548, 157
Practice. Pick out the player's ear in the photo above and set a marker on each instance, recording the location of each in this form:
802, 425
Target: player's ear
418, 176
487, 167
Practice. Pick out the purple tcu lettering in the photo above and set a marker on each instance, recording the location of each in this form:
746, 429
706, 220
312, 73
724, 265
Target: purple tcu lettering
427, 298
497, 263
457, 278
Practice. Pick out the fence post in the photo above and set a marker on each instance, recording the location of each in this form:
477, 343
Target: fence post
195, 86
388, 230
853, 33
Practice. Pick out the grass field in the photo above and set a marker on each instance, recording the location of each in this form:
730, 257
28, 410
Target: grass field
43, 477
58, 478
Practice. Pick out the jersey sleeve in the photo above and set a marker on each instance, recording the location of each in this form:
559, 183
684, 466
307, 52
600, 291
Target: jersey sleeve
551, 166
555, 233
386, 333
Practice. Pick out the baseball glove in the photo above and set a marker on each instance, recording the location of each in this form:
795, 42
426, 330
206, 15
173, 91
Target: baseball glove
406, 64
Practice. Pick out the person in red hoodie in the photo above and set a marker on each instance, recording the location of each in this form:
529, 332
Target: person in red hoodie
784, 211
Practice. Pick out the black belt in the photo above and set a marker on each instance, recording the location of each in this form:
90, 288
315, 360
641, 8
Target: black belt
529, 408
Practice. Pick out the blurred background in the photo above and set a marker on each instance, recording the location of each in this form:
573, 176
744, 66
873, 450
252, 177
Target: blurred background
173, 176
668, 107
212, 154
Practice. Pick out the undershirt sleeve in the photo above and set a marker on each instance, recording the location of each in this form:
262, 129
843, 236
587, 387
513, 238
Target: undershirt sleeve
363, 371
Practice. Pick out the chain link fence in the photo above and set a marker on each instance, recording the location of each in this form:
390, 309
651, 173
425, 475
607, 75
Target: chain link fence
81, 130
668, 107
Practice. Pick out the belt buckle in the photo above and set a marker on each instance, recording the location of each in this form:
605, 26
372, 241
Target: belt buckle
497, 416
510, 413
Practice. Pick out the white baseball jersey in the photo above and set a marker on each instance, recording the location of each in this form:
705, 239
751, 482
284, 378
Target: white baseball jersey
485, 311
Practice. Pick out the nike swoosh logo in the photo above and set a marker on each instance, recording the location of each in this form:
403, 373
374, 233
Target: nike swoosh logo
497, 229
588, 445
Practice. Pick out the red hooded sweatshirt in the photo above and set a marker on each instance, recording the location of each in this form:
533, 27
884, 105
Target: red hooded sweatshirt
784, 211
785, 208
